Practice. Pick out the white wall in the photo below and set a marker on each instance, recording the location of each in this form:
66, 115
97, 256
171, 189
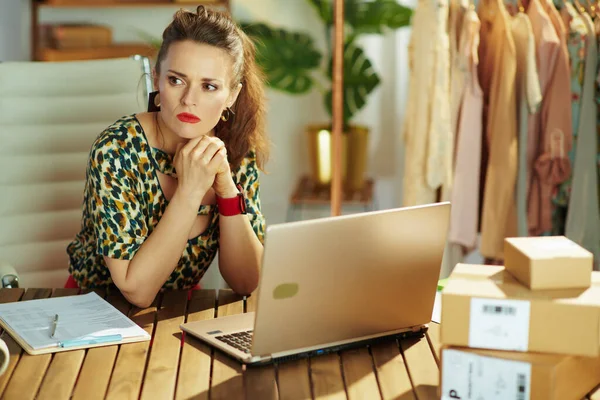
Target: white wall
11, 42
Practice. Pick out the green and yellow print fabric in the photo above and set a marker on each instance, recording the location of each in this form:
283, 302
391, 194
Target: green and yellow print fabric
123, 203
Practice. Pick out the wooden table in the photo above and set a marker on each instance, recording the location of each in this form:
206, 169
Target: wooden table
166, 368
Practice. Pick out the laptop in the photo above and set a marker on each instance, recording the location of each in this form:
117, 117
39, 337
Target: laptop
335, 283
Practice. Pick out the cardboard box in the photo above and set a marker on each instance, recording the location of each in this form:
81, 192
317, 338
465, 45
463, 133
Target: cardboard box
477, 374
548, 262
484, 306
79, 36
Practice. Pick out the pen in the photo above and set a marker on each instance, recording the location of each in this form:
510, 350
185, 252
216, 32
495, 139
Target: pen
54, 323
90, 340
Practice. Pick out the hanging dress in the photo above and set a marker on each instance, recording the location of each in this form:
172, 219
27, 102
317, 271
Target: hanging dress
427, 130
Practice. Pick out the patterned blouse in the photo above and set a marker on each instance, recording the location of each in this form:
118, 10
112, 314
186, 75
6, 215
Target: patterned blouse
123, 203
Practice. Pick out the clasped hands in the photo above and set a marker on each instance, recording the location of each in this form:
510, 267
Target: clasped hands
201, 164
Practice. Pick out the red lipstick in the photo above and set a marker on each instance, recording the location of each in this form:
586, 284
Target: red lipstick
188, 118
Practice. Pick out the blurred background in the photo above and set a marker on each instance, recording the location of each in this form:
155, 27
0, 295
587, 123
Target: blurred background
294, 48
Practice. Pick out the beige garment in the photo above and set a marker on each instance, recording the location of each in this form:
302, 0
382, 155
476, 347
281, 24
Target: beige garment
551, 162
497, 72
529, 98
464, 215
458, 10
465, 191
583, 219
427, 128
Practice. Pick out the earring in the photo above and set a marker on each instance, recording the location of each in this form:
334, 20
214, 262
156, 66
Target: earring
227, 113
153, 102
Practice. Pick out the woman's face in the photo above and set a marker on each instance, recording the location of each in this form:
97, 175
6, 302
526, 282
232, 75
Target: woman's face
195, 87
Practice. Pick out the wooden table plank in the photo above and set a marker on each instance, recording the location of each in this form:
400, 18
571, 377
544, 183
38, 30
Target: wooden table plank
61, 375
227, 380
359, 376
99, 361
326, 377
422, 368
128, 375
433, 336
260, 382
293, 379
9, 296
161, 374
194, 368
64, 367
30, 370
391, 370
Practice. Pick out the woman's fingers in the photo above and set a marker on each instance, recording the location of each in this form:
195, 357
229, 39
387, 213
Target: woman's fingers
207, 148
211, 150
200, 144
218, 158
203, 148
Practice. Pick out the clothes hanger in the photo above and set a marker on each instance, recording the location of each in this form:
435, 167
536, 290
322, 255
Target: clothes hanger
579, 7
590, 7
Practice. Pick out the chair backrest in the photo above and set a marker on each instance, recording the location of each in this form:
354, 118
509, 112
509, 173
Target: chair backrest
50, 113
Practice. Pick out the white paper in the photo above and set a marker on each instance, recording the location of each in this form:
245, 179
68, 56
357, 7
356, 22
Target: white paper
78, 316
468, 376
499, 324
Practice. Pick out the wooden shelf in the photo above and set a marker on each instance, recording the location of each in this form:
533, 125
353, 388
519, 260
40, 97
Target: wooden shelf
115, 51
309, 193
130, 4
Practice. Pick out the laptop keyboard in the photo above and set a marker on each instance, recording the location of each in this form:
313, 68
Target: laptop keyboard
239, 340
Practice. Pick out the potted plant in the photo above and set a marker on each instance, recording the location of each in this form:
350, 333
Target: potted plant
292, 64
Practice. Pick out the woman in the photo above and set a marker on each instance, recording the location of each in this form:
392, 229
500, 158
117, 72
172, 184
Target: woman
166, 189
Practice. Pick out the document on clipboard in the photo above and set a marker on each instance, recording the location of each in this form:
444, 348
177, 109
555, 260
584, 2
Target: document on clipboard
68, 323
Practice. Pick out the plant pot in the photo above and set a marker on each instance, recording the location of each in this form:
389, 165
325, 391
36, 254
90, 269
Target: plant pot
354, 155
356, 161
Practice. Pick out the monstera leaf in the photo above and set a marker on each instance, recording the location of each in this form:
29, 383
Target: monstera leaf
325, 10
376, 15
366, 16
287, 58
360, 79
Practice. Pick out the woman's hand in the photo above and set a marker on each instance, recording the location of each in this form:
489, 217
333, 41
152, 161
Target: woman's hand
224, 186
197, 163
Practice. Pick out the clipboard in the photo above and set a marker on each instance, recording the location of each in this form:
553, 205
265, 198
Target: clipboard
85, 321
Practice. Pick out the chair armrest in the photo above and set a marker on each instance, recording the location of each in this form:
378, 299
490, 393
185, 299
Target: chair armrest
8, 276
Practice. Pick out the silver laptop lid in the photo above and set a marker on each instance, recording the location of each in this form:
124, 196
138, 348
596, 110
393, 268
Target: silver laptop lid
338, 278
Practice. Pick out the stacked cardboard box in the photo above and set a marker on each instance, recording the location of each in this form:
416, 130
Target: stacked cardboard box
75, 36
526, 330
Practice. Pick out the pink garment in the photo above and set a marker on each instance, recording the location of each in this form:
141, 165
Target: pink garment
550, 141
464, 215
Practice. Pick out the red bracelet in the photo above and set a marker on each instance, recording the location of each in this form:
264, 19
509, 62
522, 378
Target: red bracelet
233, 205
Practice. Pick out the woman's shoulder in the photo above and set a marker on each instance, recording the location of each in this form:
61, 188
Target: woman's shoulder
123, 136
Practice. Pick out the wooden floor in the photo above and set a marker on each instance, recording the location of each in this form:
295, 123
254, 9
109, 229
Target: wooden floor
165, 368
